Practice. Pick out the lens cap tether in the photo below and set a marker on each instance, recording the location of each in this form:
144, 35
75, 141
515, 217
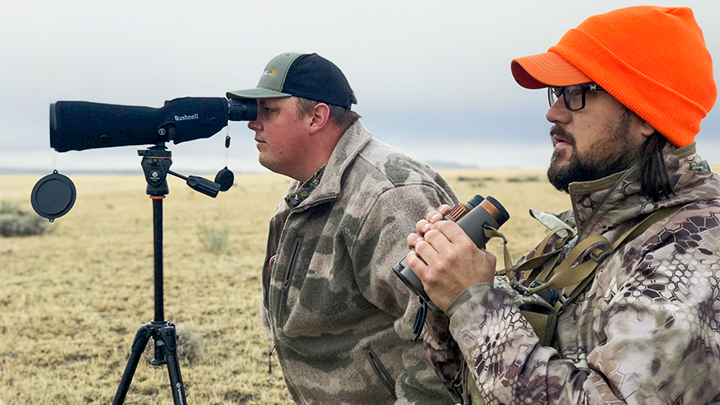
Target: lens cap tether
53, 196
225, 178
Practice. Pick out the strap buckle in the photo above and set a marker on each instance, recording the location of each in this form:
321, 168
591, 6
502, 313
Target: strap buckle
600, 250
519, 287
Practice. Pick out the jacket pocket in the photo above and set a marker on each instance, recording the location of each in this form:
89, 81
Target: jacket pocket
287, 279
385, 378
542, 317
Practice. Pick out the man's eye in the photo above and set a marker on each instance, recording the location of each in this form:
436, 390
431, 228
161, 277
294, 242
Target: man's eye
573, 91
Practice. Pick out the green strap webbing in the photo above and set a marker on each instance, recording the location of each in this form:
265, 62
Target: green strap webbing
538, 261
563, 276
645, 224
566, 275
547, 269
492, 233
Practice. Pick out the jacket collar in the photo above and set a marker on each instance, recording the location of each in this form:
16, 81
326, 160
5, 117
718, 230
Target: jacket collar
601, 204
348, 147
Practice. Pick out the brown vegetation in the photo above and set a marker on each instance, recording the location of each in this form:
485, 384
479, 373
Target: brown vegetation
72, 300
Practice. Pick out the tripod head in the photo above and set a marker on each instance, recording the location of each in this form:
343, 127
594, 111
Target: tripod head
156, 164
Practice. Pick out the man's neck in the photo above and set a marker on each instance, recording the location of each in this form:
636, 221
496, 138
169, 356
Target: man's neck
325, 144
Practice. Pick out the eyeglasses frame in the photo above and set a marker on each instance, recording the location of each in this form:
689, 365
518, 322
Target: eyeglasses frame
584, 88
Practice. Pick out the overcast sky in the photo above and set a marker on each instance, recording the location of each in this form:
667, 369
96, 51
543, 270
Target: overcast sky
432, 77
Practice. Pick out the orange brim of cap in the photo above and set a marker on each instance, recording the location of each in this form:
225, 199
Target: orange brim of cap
544, 70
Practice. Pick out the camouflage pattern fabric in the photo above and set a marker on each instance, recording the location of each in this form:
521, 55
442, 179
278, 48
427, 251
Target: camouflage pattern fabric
645, 330
340, 318
295, 198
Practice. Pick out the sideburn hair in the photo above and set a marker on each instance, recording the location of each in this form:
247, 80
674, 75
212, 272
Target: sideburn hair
654, 179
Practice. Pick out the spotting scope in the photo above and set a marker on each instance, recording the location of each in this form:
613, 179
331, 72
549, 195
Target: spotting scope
80, 125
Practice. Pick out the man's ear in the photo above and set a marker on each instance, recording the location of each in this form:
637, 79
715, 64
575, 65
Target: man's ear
320, 117
645, 128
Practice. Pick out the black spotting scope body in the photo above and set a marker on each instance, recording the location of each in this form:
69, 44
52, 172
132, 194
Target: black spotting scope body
472, 218
80, 125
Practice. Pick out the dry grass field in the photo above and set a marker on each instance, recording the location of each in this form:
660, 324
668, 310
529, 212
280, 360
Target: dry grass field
71, 300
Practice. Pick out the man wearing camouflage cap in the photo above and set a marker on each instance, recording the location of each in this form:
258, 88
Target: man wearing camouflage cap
339, 319
636, 263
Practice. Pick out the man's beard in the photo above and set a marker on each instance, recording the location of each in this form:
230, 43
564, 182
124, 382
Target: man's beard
594, 166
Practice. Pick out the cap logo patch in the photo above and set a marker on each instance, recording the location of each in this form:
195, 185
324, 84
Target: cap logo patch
271, 72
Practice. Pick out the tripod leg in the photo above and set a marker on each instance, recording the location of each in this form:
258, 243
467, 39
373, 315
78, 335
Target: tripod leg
141, 338
168, 337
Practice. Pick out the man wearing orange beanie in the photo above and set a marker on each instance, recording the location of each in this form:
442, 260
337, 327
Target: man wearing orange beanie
631, 276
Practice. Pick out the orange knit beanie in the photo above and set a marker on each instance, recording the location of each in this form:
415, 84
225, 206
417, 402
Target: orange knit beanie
652, 59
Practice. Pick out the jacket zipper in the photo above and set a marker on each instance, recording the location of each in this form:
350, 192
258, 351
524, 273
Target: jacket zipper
591, 217
287, 279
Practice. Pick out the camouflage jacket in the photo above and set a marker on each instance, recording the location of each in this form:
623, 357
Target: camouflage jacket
645, 330
339, 317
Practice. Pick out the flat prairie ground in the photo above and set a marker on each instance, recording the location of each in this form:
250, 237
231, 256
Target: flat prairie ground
72, 299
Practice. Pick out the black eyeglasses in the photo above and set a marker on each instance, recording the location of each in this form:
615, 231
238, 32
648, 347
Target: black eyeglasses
574, 96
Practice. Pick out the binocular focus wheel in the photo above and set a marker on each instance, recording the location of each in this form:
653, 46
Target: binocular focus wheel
53, 196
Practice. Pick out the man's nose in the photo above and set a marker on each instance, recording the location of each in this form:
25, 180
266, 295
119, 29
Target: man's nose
558, 113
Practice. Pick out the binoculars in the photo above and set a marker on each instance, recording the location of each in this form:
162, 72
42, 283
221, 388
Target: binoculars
474, 217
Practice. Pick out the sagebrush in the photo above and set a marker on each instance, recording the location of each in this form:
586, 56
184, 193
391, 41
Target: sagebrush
214, 240
17, 222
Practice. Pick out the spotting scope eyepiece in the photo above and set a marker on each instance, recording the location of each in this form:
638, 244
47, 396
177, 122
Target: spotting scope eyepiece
80, 125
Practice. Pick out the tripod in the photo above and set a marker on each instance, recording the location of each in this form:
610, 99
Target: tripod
156, 163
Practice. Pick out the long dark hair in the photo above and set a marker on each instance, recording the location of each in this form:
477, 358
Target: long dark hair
653, 173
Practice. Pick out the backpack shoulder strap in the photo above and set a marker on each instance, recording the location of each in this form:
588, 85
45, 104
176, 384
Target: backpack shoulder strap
598, 247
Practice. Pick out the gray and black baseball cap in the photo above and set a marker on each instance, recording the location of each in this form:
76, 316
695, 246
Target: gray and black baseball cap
308, 76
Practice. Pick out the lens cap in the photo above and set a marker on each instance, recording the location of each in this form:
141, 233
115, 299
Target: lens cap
53, 196
225, 178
